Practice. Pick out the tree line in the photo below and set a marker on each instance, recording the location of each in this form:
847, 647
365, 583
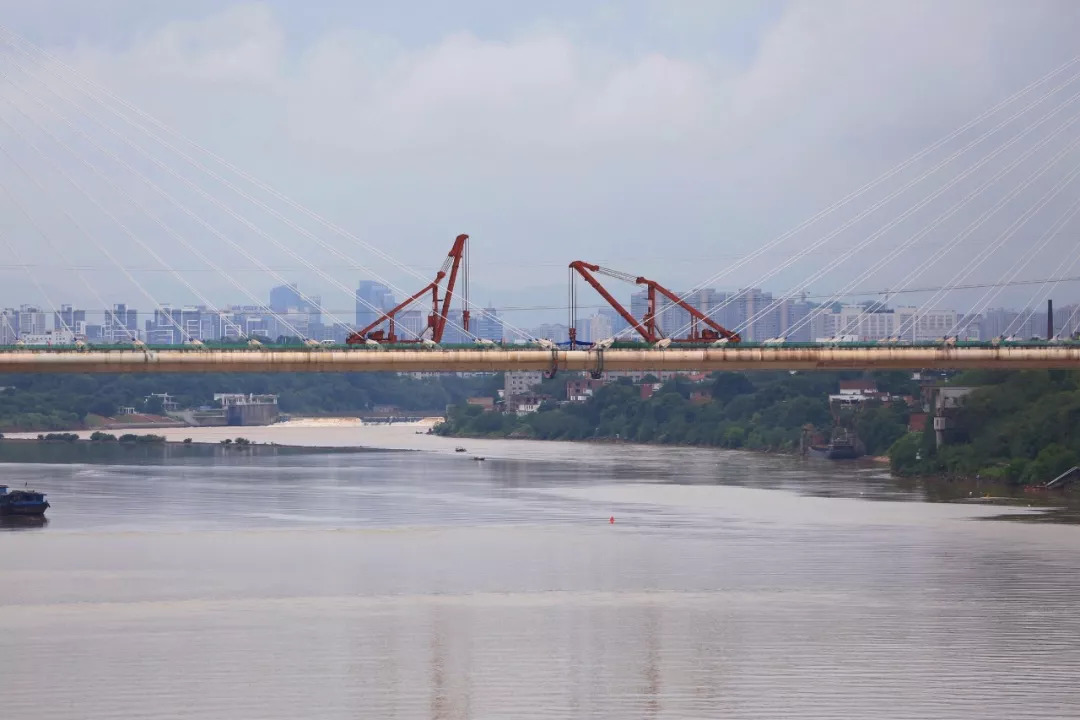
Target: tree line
757, 411
1016, 427
59, 402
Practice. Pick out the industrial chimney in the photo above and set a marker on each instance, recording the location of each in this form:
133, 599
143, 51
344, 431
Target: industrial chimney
1049, 319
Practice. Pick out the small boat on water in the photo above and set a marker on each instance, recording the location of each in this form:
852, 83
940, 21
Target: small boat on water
479, 458
459, 449
22, 502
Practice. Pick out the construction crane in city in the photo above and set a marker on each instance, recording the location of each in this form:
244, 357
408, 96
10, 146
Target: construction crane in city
455, 264
702, 328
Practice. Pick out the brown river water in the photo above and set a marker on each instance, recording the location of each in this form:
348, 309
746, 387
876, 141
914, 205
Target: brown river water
421, 583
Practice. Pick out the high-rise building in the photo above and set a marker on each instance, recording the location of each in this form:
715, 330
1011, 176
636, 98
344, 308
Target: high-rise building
284, 298
756, 315
296, 314
31, 320
599, 327
9, 326
69, 318
454, 332
190, 319
372, 299
237, 322
487, 325
209, 325
968, 326
999, 322
313, 311
618, 322
165, 328
1066, 320
672, 320
795, 323
410, 324
639, 306
121, 324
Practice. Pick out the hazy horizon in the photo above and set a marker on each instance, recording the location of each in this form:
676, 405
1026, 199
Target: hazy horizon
668, 139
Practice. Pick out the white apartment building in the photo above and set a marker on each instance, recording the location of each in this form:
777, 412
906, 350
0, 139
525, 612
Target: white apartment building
600, 327
49, 337
926, 325
905, 323
521, 383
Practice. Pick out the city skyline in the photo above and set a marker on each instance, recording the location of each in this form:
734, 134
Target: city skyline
288, 312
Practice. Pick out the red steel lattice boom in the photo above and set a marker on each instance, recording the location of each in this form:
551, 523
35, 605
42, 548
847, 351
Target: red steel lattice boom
702, 327
456, 264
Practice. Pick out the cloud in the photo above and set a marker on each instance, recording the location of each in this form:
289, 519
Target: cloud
243, 44
548, 144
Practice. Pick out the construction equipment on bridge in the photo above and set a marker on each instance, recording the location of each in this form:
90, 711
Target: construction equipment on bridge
457, 260
703, 329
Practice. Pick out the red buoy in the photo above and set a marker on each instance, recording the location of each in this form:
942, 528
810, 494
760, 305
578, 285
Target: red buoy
611, 519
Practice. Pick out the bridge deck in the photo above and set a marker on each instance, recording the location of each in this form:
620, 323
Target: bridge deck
476, 360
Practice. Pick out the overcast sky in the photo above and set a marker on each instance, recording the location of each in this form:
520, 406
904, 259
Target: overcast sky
660, 137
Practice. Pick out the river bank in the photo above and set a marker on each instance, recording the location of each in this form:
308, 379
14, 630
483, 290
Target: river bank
944, 487
309, 438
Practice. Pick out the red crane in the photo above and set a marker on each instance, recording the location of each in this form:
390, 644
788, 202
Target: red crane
456, 261
702, 327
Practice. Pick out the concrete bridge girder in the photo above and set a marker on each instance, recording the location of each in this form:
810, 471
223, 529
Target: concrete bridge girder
705, 359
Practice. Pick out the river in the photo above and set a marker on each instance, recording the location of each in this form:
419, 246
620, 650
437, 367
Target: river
421, 583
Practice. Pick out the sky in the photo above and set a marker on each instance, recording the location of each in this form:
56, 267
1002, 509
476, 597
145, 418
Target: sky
665, 138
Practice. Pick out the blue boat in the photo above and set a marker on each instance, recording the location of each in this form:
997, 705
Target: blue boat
22, 502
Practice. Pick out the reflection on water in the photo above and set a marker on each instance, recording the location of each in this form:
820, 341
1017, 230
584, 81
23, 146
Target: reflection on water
22, 522
424, 585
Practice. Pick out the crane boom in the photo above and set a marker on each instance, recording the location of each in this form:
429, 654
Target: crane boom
585, 270
702, 327
456, 263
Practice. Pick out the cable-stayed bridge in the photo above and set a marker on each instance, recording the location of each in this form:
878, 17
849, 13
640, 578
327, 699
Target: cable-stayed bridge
962, 220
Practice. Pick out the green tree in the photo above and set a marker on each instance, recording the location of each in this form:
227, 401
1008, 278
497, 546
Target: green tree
905, 456
1051, 461
878, 426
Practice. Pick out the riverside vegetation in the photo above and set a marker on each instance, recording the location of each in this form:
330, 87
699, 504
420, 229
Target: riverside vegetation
756, 411
52, 402
1015, 427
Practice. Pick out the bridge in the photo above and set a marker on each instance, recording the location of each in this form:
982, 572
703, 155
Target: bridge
997, 191
275, 360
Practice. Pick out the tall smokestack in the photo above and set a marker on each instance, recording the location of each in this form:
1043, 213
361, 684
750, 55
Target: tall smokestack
1049, 319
